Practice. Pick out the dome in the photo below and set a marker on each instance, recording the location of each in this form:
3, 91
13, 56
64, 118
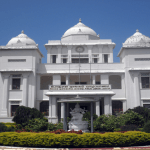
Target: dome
137, 39
79, 29
21, 40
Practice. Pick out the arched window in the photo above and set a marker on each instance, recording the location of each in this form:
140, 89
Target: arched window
115, 81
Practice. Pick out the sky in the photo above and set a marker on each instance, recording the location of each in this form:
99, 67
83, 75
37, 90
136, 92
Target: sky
44, 20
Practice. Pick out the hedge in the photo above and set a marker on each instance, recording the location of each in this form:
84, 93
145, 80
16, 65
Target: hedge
64, 140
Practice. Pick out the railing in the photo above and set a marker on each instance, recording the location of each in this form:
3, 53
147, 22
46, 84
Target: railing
80, 87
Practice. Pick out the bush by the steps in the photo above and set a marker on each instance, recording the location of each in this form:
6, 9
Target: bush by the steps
3, 128
24, 114
144, 112
146, 127
131, 127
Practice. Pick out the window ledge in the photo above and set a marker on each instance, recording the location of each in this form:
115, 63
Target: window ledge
15, 90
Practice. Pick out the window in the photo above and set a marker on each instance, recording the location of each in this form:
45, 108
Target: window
13, 109
64, 60
16, 83
98, 82
63, 83
40, 60
82, 60
54, 59
145, 79
146, 106
45, 81
95, 60
44, 108
80, 83
105, 58
115, 81
117, 106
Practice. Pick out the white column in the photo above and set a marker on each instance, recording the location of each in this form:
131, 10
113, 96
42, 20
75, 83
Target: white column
107, 105
110, 60
50, 109
69, 53
54, 110
90, 52
59, 54
48, 55
93, 79
67, 79
124, 105
25, 90
137, 96
104, 79
100, 54
5, 98
110, 103
62, 111
98, 107
56, 80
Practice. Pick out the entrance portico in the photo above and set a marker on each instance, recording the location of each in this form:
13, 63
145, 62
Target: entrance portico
99, 96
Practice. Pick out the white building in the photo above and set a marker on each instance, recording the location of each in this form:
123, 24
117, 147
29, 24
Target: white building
79, 64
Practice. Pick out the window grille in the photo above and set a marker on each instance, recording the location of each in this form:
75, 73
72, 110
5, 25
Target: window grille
16, 60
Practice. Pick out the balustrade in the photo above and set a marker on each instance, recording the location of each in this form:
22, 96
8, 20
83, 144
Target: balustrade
80, 87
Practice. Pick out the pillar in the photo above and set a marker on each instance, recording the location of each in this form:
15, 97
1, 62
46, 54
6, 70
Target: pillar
93, 79
49, 55
56, 80
100, 47
59, 54
137, 96
50, 109
91, 117
104, 79
124, 105
25, 90
54, 110
107, 105
62, 111
5, 97
67, 79
98, 107
69, 53
65, 118
90, 52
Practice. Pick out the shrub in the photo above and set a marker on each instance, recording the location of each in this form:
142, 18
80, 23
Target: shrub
134, 118
54, 127
128, 118
11, 128
146, 127
145, 112
130, 127
36, 124
3, 128
87, 116
104, 123
24, 114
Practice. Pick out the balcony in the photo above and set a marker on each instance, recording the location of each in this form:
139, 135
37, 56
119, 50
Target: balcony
79, 87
